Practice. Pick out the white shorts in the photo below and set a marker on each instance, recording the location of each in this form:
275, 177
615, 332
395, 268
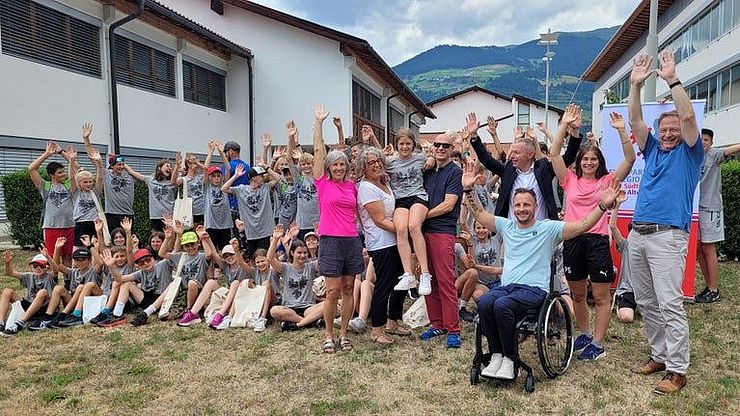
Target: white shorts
711, 226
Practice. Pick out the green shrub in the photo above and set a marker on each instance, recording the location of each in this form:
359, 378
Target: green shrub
731, 201
23, 205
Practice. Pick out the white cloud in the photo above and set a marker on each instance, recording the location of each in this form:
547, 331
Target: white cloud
401, 29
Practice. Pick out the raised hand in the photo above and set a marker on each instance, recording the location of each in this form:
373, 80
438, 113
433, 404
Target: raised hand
367, 133
126, 224
7, 256
293, 230
641, 69
296, 154
53, 147
108, 258
135, 240
85, 240
61, 241
471, 126
530, 134
292, 129
519, 132
492, 125
278, 153
266, 140
239, 172
541, 126
616, 120
239, 224
571, 114
94, 155
621, 198
87, 129
234, 244
320, 113
667, 69
469, 176
337, 121
69, 153
277, 232
168, 232
610, 192
388, 149
177, 227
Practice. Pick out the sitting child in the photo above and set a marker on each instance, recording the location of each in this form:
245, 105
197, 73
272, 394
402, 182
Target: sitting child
39, 284
625, 296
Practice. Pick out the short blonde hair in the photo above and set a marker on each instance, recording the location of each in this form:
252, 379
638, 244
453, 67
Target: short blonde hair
82, 175
305, 158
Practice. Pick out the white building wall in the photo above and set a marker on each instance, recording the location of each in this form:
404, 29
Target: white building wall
451, 114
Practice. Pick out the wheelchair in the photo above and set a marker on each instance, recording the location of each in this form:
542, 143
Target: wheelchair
551, 325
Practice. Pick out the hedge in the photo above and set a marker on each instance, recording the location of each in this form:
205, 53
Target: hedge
23, 205
731, 201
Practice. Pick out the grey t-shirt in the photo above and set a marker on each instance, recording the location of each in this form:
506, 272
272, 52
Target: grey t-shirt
624, 271
406, 176
195, 191
485, 200
459, 255
710, 185
487, 254
34, 284
195, 267
58, 207
119, 193
287, 202
233, 274
107, 277
297, 286
307, 206
255, 209
261, 277
217, 213
161, 197
156, 280
77, 278
84, 206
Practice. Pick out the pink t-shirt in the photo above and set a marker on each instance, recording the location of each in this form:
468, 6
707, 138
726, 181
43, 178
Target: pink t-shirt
337, 207
582, 196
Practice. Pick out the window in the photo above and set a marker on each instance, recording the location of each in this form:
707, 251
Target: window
396, 122
365, 103
523, 114
621, 88
724, 89
713, 23
39, 33
203, 86
721, 89
144, 67
735, 85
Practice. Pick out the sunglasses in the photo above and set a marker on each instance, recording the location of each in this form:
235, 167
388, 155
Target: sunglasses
38, 266
145, 260
443, 145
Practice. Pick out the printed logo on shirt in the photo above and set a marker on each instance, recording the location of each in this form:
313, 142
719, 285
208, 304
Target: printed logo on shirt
298, 286
217, 196
486, 257
195, 189
307, 190
160, 192
86, 205
254, 203
58, 198
406, 177
119, 183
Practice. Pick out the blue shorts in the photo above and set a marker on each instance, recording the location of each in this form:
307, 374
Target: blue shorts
340, 256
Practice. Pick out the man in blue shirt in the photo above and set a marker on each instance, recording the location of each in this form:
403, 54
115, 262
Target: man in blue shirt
232, 150
529, 246
659, 238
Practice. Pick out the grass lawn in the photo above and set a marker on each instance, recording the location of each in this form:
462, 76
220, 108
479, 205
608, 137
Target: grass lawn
163, 369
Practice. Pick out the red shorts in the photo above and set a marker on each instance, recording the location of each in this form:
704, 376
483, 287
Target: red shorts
50, 239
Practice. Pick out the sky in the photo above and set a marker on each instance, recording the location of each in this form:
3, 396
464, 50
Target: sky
401, 29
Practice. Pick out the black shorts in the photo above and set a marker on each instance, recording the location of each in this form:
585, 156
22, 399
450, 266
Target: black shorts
340, 256
148, 299
626, 300
408, 201
84, 228
26, 304
198, 219
586, 256
220, 238
254, 245
114, 220
299, 311
156, 224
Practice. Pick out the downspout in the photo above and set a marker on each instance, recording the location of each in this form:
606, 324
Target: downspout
411, 115
251, 111
388, 117
113, 76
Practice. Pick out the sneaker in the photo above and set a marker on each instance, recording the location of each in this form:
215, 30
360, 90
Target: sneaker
466, 315
582, 342
2, 327
225, 323
709, 297
12, 329
100, 318
57, 319
506, 371
288, 326
453, 340
592, 353
702, 294
71, 321
40, 325
425, 284
357, 324
140, 319
113, 321
407, 281
188, 318
431, 333
259, 324
671, 383
649, 367
492, 367
216, 320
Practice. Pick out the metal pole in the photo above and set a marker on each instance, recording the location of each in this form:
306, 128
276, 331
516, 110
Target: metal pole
547, 81
652, 50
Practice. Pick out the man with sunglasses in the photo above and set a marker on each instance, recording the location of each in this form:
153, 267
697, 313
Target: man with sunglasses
444, 187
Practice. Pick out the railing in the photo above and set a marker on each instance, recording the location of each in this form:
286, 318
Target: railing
358, 121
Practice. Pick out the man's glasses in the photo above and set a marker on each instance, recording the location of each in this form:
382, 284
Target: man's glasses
443, 145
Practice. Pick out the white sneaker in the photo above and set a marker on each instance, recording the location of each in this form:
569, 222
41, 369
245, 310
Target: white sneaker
425, 284
259, 324
493, 367
506, 371
225, 323
405, 282
250, 323
357, 324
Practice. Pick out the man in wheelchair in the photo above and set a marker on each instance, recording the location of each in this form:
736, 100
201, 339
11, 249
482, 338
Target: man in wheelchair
528, 249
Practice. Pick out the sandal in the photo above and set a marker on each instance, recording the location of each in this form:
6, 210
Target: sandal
345, 344
328, 346
399, 330
382, 340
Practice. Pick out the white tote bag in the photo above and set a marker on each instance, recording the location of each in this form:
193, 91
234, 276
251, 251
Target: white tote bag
92, 306
172, 289
217, 300
101, 215
183, 210
16, 312
416, 316
248, 304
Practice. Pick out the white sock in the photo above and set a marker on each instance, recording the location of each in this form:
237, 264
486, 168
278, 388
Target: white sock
118, 310
150, 310
461, 304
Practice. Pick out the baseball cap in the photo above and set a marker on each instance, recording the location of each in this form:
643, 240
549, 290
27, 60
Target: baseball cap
81, 253
141, 253
256, 171
212, 169
39, 259
189, 237
228, 250
310, 234
115, 159
232, 145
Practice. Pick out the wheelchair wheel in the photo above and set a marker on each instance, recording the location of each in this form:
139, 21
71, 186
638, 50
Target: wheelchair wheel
529, 384
554, 336
474, 376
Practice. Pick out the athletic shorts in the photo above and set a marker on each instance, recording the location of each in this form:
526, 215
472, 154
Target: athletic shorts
408, 201
626, 300
156, 224
711, 226
254, 245
220, 237
588, 255
26, 304
299, 311
148, 299
340, 256
50, 239
114, 220
84, 228
198, 219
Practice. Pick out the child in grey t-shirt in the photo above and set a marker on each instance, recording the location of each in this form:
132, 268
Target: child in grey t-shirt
39, 285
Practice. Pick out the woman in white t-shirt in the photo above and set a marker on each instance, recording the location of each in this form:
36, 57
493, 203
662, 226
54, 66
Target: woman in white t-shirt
376, 203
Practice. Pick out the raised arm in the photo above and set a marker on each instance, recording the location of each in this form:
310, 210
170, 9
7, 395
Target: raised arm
57, 258
209, 154
685, 109
640, 72
273, 177
97, 161
340, 131
8, 259
470, 132
226, 187
616, 233
33, 168
266, 145
491, 128
127, 225
70, 155
369, 138
731, 150
175, 179
110, 262
277, 233
471, 199
319, 149
87, 129
608, 196
624, 168
292, 139
548, 135
558, 164
138, 176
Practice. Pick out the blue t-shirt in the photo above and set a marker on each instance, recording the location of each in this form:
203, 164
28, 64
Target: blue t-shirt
668, 183
438, 184
528, 251
244, 180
